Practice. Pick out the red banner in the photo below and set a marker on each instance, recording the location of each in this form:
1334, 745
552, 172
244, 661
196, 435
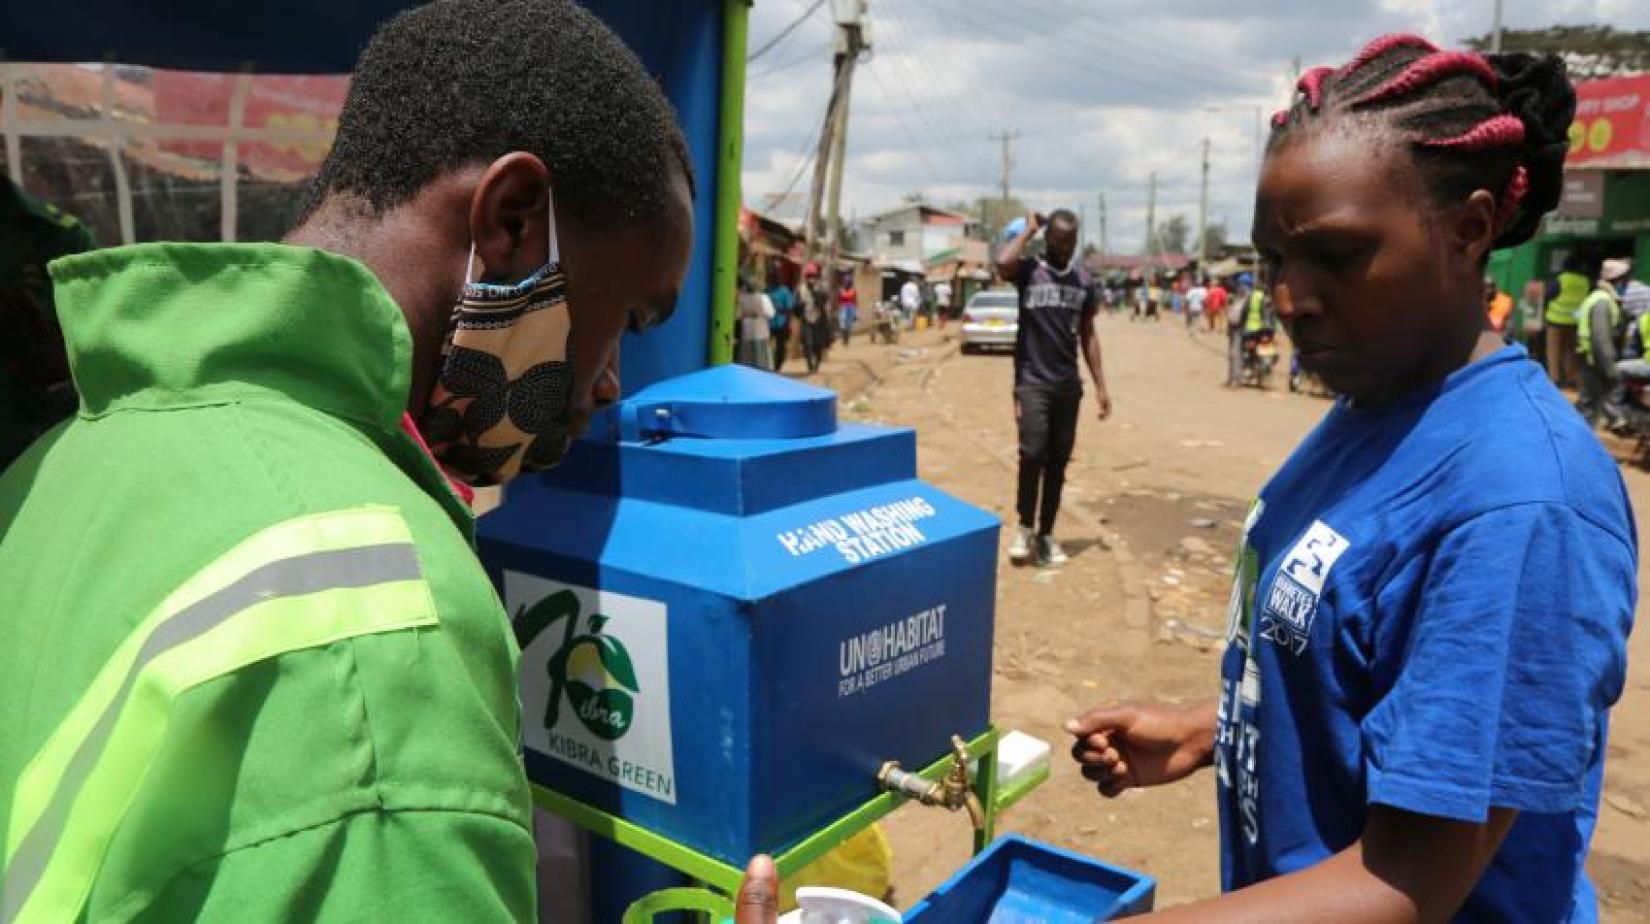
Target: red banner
307, 106
1612, 124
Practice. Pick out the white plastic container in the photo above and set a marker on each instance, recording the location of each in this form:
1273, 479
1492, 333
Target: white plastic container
825, 905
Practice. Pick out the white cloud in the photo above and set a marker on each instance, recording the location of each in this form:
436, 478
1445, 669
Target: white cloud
1102, 92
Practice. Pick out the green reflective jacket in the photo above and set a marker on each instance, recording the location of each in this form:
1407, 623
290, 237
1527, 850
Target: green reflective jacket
1596, 323
1572, 291
251, 667
1254, 314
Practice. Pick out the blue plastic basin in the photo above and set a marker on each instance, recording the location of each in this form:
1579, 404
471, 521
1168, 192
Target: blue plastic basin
1021, 881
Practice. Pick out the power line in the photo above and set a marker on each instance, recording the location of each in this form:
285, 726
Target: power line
915, 73
799, 59
1161, 92
915, 144
900, 59
812, 8
1145, 51
806, 153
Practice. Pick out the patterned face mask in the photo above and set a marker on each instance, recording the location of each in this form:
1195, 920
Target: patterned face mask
503, 399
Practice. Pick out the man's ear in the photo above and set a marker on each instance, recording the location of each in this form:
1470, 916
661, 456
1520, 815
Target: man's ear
508, 217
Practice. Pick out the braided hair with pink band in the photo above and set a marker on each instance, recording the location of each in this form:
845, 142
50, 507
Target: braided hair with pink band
1495, 122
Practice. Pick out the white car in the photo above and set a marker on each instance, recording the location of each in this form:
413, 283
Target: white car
992, 319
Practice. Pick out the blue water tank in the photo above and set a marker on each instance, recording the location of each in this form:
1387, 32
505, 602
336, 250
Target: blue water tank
733, 608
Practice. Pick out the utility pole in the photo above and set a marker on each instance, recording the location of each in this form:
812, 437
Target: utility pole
848, 54
1203, 213
1495, 33
1151, 220
1104, 247
1007, 139
814, 216
833, 145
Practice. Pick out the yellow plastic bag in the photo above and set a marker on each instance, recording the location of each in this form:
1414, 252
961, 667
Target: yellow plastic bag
863, 863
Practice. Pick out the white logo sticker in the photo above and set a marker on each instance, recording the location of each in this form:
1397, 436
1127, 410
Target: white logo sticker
595, 681
1292, 603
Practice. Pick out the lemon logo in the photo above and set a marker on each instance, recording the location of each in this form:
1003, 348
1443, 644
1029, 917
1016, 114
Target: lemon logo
1578, 137
592, 670
1598, 137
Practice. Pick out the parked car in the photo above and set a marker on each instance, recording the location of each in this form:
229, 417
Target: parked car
991, 319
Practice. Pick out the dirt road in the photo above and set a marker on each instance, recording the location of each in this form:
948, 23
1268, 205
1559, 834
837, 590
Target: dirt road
1152, 507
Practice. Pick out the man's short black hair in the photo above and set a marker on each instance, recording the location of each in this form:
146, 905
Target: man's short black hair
1063, 216
461, 82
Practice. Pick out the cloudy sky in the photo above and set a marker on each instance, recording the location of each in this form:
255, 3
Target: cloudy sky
1101, 92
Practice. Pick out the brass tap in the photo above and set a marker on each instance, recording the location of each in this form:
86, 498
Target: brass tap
953, 791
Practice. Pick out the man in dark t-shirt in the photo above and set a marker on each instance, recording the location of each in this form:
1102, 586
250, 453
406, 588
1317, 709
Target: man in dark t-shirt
1058, 300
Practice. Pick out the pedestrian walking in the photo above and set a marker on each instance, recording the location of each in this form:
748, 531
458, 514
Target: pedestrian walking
1058, 300
756, 314
1196, 296
816, 325
910, 301
784, 311
1214, 306
1433, 594
848, 309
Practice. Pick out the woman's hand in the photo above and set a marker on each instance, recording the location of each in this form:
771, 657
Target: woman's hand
1142, 744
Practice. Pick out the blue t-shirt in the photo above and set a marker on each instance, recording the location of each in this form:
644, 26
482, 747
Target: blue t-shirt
783, 304
1431, 613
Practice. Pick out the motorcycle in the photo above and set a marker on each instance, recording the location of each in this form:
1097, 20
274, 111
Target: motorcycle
1260, 354
1635, 408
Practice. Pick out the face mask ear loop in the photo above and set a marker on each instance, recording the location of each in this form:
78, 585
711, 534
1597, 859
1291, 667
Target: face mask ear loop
470, 265
553, 246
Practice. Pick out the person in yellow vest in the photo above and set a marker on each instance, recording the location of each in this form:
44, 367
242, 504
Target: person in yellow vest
1638, 365
1572, 285
1597, 321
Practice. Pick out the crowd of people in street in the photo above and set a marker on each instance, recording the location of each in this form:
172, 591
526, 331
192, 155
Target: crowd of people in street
1588, 326
772, 318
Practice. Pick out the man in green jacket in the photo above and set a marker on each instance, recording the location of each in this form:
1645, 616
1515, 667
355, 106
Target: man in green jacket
251, 668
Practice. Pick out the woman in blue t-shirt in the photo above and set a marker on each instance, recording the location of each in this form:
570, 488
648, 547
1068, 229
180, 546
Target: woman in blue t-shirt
1429, 620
